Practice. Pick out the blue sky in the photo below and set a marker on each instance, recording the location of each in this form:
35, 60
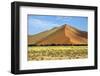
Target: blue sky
39, 23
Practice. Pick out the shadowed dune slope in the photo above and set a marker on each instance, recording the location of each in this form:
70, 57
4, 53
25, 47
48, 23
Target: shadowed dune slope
64, 34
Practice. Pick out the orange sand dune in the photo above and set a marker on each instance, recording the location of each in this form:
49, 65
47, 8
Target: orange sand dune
59, 35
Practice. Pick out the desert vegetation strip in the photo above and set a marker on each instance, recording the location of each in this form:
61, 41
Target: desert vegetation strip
38, 53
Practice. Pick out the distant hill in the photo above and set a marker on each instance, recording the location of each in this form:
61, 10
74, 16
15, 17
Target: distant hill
64, 34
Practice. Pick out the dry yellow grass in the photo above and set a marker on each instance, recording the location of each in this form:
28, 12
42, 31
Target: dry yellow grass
38, 53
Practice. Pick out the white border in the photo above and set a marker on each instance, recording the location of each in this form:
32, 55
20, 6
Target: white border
24, 64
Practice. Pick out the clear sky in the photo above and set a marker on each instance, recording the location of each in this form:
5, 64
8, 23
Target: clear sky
39, 23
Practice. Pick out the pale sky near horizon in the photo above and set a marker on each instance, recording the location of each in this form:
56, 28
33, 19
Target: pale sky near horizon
40, 23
